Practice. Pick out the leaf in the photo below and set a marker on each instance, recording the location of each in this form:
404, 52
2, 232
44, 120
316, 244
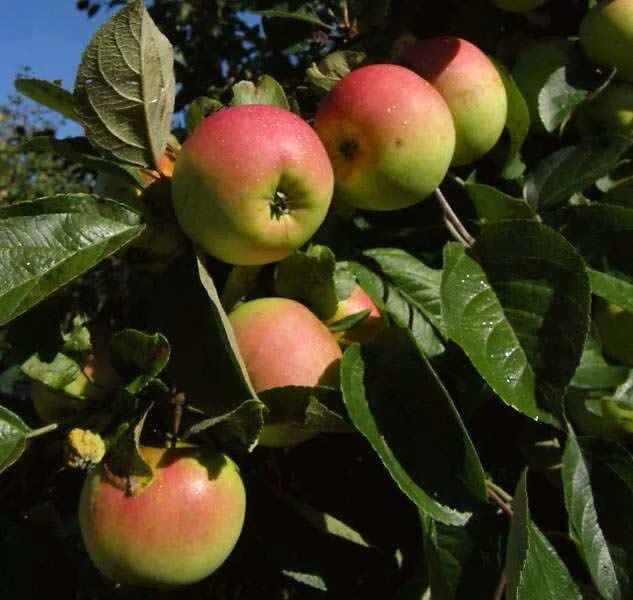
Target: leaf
518, 305
199, 109
286, 10
396, 401
48, 94
518, 118
239, 284
612, 289
571, 170
124, 463
125, 88
493, 205
314, 279
243, 423
389, 299
79, 150
583, 521
267, 91
138, 357
349, 322
56, 374
332, 68
559, 97
49, 242
594, 372
533, 568
419, 284
13, 435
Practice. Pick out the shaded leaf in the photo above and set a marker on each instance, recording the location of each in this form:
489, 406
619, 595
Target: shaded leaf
286, 10
48, 94
493, 205
266, 91
199, 109
332, 68
559, 97
49, 242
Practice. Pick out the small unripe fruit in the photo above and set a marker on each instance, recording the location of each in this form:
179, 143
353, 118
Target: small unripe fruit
471, 86
606, 34
615, 325
390, 137
610, 112
284, 344
519, 5
252, 184
363, 333
176, 531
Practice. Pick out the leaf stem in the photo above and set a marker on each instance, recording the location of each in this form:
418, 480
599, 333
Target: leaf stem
501, 586
500, 502
455, 226
499, 490
42, 430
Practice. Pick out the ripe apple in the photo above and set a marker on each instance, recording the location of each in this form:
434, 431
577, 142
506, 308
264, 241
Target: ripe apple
615, 325
368, 328
283, 344
611, 112
176, 531
390, 137
518, 5
606, 34
471, 86
252, 184
534, 66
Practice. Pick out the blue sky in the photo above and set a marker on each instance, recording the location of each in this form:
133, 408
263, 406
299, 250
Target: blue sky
46, 35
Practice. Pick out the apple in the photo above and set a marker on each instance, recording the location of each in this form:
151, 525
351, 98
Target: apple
534, 66
176, 531
518, 5
252, 184
606, 34
615, 325
390, 137
363, 333
471, 86
610, 112
282, 344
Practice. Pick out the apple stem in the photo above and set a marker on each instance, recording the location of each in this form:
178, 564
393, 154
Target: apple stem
454, 225
42, 430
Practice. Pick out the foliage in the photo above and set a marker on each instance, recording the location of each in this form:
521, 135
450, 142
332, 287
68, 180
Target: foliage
493, 373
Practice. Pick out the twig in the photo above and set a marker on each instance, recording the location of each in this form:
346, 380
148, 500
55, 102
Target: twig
499, 490
500, 502
501, 586
453, 219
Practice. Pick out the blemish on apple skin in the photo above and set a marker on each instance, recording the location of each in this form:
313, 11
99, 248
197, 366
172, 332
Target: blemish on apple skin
399, 143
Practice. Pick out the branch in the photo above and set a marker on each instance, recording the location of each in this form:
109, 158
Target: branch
455, 226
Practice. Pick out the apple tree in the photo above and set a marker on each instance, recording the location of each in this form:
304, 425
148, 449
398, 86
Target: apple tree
348, 314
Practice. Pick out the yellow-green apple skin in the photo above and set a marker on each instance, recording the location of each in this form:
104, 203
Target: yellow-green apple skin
363, 333
471, 86
615, 325
252, 184
534, 66
283, 344
610, 112
606, 35
519, 5
389, 135
176, 531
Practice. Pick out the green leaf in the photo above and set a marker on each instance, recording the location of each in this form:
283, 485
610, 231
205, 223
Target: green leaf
571, 170
518, 305
418, 284
267, 91
239, 284
349, 322
594, 372
199, 109
390, 299
48, 94
79, 150
493, 205
611, 288
286, 10
13, 435
126, 465
396, 401
125, 88
533, 569
583, 521
57, 374
332, 68
49, 242
139, 357
242, 424
559, 98
315, 279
